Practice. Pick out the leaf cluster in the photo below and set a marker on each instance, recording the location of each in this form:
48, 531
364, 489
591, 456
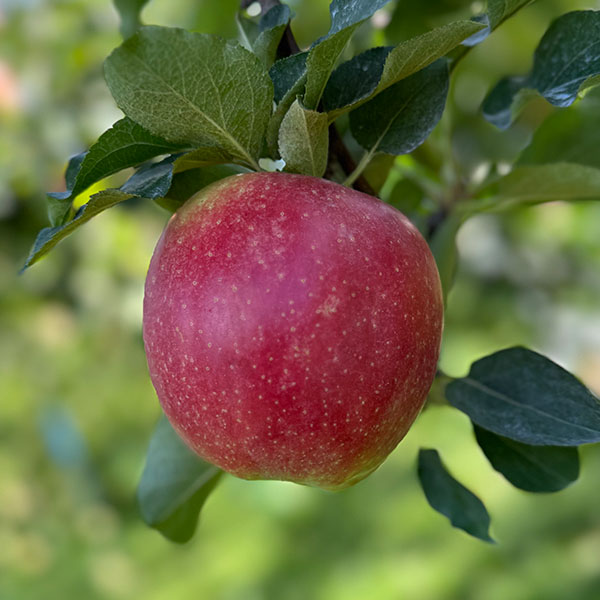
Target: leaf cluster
199, 108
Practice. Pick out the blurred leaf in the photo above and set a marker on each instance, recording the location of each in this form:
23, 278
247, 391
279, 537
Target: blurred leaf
542, 183
377, 171
272, 27
174, 485
411, 18
150, 181
450, 498
124, 145
530, 468
346, 16
445, 251
524, 396
193, 89
401, 118
571, 135
404, 60
303, 141
129, 10
406, 196
500, 10
566, 61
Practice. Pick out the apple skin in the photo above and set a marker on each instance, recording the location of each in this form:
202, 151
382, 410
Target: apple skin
292, 327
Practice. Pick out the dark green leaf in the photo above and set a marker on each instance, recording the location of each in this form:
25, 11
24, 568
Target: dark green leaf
524, 396
405, 59
50, 236
400, 119
530, 468
566, 62
444, 249
355, 79
151, 181
303, 141
346, 16
535, 184
193, 89
272, 27
130, 15
285, 74
124, 145
571, 135
174, 485
451, 498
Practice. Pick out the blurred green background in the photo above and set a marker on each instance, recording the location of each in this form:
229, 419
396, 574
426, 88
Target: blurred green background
77, 407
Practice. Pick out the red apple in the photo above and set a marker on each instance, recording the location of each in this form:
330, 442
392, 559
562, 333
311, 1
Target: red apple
292, 327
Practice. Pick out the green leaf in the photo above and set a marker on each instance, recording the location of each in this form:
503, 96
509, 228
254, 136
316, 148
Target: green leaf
401, 118
124, 145
500, 10
404, 60
174, 486
530, 468
286, 73
566, 62
193, 89
303, 141
50, 236
450, 498
272, 27
536, 184
570, 135
200, 157
346, 16
130, 10
524, 396
151, 181
445, 251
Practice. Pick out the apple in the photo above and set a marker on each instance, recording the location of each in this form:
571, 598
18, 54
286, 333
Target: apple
292, 327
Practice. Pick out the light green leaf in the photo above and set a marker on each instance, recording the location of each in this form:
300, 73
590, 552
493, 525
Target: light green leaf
303, 141
500, 10
526, 185
129, 10
174, 485
570, 135
347, 84
193, 89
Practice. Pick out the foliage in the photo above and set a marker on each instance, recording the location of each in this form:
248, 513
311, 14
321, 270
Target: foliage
208, 103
